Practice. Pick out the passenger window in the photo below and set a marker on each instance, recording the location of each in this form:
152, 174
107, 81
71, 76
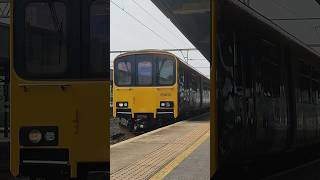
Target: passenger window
269, 70
314, 94
305, 83
99, 33
305, 87
144, 73
45, 38
124, 75
166, 71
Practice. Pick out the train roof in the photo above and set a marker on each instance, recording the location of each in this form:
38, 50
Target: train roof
143, 51
156, 51
264, 21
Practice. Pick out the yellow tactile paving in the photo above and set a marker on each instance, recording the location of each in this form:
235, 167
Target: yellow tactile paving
151, 163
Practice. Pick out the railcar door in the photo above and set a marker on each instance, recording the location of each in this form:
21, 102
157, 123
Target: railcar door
230, 98
243, 70
270, 96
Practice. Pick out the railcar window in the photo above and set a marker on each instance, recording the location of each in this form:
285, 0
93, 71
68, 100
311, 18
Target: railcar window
305, 84
270, 81
99, 38
45, 38
314, 93
144, 75
124, 75
166, 71
305, 90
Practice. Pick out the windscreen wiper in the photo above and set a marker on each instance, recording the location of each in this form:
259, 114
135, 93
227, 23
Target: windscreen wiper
58, 25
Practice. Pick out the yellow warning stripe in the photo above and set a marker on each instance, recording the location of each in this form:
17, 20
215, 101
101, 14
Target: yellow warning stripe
174, 163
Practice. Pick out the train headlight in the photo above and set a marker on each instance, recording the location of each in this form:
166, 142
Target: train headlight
35, 136
122, 104
166, 104
50, 136
39, 136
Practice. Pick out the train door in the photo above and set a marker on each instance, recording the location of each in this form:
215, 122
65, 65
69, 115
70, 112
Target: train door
270, 97
243, 69
290, 84
230, 97
213, 92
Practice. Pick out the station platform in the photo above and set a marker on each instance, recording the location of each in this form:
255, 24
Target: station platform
177, 151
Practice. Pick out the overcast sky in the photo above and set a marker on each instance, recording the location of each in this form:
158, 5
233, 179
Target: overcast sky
129, 34
126, 33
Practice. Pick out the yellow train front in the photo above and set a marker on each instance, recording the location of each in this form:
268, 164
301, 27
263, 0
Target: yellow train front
59, 89
153, 87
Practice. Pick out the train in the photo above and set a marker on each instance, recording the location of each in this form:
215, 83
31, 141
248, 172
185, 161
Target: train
154, 86
265, 82
267, 98
59, 89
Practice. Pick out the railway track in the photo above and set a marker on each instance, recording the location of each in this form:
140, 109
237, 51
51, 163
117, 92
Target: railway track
119, 133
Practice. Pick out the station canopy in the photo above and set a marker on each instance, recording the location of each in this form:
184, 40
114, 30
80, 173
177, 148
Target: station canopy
192, 17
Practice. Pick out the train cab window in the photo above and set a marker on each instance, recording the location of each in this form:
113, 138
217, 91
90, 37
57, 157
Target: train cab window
144, 72
166, 68
45, 38
124, 73
99, 38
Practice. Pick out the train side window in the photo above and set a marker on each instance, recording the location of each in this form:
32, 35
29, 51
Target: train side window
305, 84
166, 68
98, 63
45, 38
305, 90
144, 75
270, 81
238, 70
124, 75
314, 92
269, 69
194, 82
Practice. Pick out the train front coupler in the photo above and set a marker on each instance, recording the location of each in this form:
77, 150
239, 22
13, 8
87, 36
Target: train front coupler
140, 124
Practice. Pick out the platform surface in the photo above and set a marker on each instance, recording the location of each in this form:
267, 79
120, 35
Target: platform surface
144, 156
195, 166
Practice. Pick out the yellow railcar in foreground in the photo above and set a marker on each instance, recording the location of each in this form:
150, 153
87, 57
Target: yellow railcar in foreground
59, 88
152, 87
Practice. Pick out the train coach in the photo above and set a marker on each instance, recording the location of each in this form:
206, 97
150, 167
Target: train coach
59, 84
268, 88
151, 87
